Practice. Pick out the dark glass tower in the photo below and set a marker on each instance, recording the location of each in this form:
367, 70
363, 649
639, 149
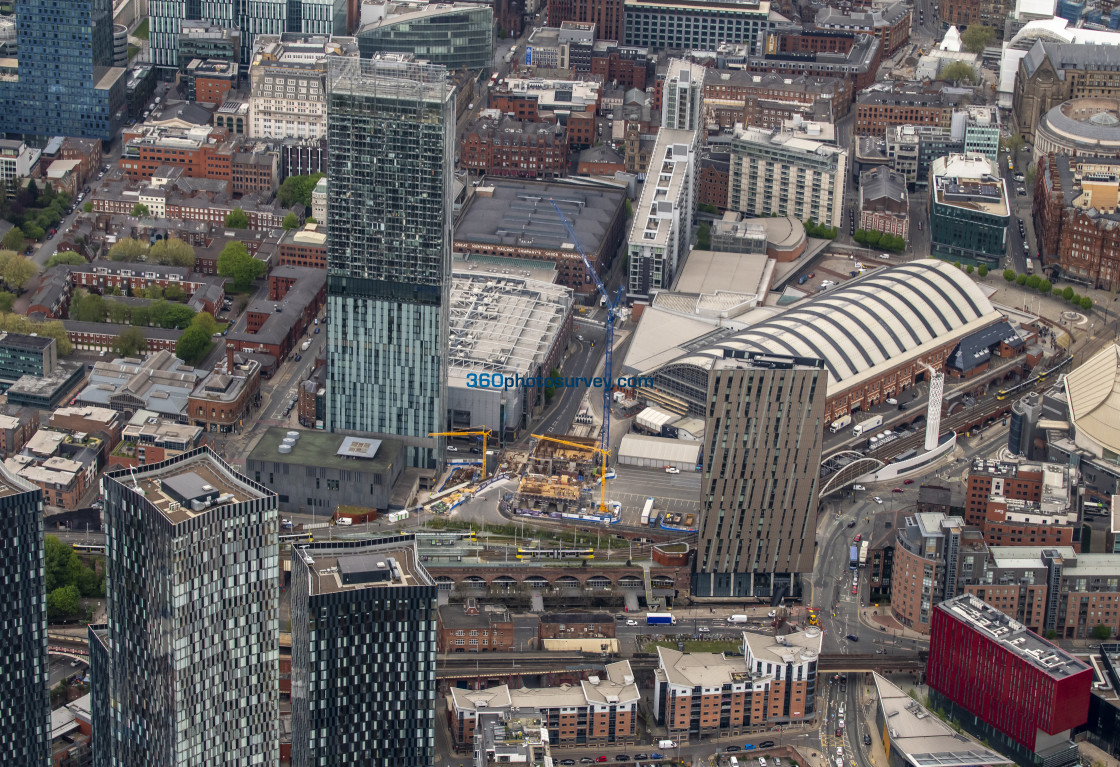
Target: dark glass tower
363, 655
25, 713
390, 127
67, 83
189, 667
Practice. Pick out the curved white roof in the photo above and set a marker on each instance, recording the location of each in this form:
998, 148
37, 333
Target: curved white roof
871, 323
1093, 392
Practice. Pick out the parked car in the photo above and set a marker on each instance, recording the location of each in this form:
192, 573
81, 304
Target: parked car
567, 761
766, 744
731, 749
452, 449
877, 499
749, 746
892, 401
908, 482
656, 755
672, 470
587, 760
898, 490
317, 330
299, 357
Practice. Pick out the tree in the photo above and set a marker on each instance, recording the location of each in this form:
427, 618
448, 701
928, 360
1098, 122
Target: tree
1033, 281
177, 316
1067, 293
64, 257
1009, 275
629, 213
550, 390
33, 231
1045, 287
1102, 631
60, 563
237, 219
194, 345
1086, 303
958, 72
63, 602
130, 342
1076, 300
140, 210
174, 293
87, 307
119, 313
14, 240
127, 249
172, 252
140, 316
206, 321
291, 221
7, 301
977, 37
982, 271
860, 236
153, 292
873, 238
968, 269
297, 189
88, 207
704, 237
235, 263
16, 270
1021, 279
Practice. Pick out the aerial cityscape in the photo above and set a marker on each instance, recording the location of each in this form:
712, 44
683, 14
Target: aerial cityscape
690, 383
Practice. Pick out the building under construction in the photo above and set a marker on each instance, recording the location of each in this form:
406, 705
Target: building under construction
554, 459
556, 475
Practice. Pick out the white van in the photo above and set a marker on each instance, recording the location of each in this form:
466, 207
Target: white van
733, 761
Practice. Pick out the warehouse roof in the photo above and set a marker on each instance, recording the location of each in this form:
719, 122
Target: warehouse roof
668, 450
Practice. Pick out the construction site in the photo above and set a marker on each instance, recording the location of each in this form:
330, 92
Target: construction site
562, 477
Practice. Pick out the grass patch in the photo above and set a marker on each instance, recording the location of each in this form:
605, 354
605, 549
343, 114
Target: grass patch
697, 645
142, 30
132, 51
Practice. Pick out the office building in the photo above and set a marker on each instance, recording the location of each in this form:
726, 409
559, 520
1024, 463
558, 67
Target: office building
206, 41
1026, 504
889, 23
250, 20
701, 25
756, 536
288, 84
797, 51
913, 733
22, 355
661, 232
454, 35
363, 654
25, 713
390, 127
16, 160
968, 210
682, 96
606, 15
67, 84
911, 103
774, 683
1004, 683
775, 173
192, 632
512, 739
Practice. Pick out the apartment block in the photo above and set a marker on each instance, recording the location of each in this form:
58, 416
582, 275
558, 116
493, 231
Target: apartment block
905, 103
1006, 684
682, 96
775, 173
515, 148
1027, 504
662, 228
763, 411
600, 711
705, 695
363, 640
205, 686
767, 100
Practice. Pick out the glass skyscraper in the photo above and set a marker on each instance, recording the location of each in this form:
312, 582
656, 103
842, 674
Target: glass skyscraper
188, 670
390, 127
67, 82
25, 714
251, 17
363, 655
454, 36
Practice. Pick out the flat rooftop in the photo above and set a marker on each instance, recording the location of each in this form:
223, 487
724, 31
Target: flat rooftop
377, 566
1012, 636
200, 474
711, 271
320, 448
13, 484
925, 740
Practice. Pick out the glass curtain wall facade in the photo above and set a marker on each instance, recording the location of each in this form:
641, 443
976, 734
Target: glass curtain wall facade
457, 38
67, 83
363, 656
25, 714
390, 128
191, 673
251, 17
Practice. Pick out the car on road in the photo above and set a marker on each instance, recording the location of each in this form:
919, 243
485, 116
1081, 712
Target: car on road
892, 401
1020, 177
749, 746
567, 761
841, 724
852, 523
855, 588
317, 331
731, 749
858, 487
703, 629
640, 756
908, 482
866, 739
859, 537
656, 755
631, 622
772, 614
452, 449
766, 744
672, 470
851, 638
610, 474
898, 490
587, 760
1021, 192
839, 733
299, 357
839, 751
622, 757
877, 499
601, 759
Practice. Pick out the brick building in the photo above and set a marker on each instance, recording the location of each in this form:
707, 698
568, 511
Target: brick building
606, 15
1022, 504
466, 628
17, 424
626, 65
149, 439
884, 205
807, 53
517, 148
600, 160
98, 336
1077, 218
891, 23
773, 683
209, 80
86, 151
598, 711
276, 325
904, 103
226, 396
1006, 684
713, 176
188, 200
88, 419
305, 247
962, 13
575, 625
733, 96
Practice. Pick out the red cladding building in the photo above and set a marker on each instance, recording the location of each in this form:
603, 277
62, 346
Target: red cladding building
1005, 683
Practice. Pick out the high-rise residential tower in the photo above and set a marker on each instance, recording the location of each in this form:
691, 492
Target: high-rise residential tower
67, 83
259, 17
187, 666
761, 466
390, 127
25, 714
363, 655
682, 96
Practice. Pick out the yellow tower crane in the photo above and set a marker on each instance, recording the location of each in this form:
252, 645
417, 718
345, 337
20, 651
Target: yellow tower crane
485, 433
606, 456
